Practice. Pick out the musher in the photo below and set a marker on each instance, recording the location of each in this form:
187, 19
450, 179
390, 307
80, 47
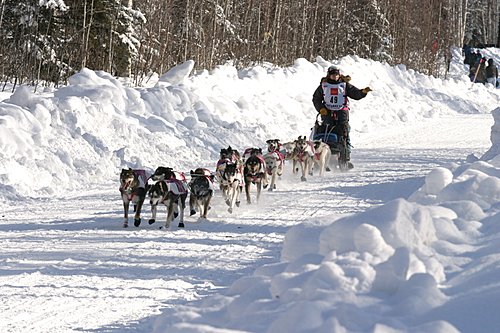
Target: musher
330, 99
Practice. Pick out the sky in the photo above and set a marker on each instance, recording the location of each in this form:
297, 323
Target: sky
407, 241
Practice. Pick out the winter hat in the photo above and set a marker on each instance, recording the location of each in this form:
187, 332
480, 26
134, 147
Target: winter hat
333, 70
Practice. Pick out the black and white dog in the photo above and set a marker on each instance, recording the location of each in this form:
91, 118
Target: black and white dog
133, 188
171, 192
254, 171
202, 188
231, 185
228, 156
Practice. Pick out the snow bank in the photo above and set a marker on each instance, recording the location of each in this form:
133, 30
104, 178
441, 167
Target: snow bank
390, 267
82, 134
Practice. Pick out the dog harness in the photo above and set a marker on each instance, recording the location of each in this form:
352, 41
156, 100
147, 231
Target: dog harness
177, 186
131, 191
278, 156
301, 153
127, 189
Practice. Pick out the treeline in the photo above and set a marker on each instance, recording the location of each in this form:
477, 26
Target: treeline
49, 40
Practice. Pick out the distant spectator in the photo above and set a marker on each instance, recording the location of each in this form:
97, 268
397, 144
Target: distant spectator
468, 55
477, 56
475, 60
492, 73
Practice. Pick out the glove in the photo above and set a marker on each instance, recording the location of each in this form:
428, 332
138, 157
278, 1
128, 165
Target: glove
345, 78
366, 90
323, 111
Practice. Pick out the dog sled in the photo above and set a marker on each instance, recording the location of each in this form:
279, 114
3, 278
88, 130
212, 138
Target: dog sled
337, 143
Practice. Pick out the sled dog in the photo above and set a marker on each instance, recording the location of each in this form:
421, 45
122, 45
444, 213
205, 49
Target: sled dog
231, 185
322, 155
254, 171
133, 187
171, 192
201, 190
275, 161
303, 154
227, 156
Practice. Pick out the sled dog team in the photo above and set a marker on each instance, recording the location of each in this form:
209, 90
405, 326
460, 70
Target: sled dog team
233, 172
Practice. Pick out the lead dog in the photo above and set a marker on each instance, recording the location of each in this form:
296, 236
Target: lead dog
231, 184
171, 192
133, 187
201, 191
254, 171
227, 156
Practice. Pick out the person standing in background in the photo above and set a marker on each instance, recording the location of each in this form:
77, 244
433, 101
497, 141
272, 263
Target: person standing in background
492, 73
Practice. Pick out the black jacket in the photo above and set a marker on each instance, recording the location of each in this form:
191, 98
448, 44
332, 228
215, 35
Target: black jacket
351, 92
491, 72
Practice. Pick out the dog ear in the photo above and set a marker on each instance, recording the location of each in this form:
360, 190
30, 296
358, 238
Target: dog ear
191, 172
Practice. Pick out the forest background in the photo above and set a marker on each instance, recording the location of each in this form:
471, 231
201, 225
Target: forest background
43, 42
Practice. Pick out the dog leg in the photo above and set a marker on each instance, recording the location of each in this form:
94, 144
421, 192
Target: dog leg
324, 160
247, 191
223, 189
273, 177
170, 213
206, 204
231, 199
303, 165
125, 212
265, 180
234, 190
192, 202
153, 213
176, 211
137, 210
239, 189
294, 166
225, 193
327, 159
182, 204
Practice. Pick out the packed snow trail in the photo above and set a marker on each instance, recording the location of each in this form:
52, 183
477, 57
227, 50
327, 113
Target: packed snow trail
69, 266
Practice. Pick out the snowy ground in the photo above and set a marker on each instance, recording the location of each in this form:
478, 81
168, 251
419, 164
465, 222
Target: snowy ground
67, 265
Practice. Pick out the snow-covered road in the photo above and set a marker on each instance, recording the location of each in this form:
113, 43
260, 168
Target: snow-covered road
67, 265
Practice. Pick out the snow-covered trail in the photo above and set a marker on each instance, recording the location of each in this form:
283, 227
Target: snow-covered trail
68, 266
